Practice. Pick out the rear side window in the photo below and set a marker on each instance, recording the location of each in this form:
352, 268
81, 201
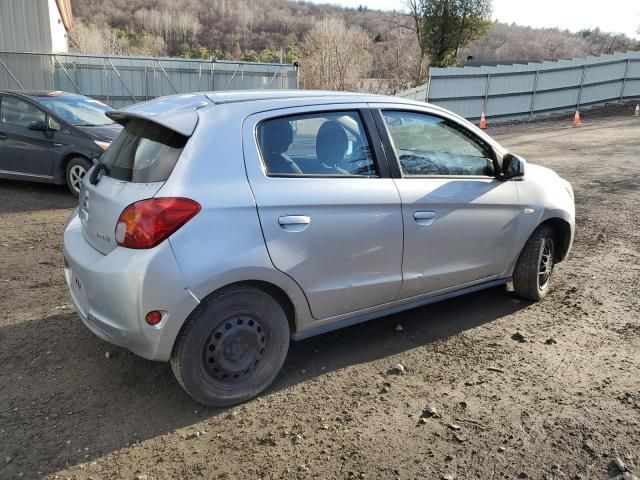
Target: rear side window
318, 144
18, 112
144, 152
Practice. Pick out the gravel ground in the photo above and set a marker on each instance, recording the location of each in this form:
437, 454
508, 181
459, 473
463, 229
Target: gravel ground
494, 387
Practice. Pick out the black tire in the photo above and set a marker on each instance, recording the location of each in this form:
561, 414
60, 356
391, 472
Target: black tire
243, 333
534, 269
76, 169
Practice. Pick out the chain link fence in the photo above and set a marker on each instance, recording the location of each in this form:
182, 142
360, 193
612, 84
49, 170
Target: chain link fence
121, 81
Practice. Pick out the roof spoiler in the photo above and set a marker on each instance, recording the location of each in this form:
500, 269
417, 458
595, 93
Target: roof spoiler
177, 113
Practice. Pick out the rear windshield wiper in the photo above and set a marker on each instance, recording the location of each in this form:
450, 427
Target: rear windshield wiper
98, 169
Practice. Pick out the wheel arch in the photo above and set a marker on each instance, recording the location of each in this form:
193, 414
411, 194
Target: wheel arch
61, 173
276, 291
562, 233
272, 289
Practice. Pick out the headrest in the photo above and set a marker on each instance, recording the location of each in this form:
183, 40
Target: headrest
331, 143
277, 135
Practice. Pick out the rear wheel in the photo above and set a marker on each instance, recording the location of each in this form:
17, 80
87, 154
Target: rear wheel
533, 272
76, 170
232, 347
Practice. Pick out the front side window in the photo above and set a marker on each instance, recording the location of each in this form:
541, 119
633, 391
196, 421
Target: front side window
143, 152
324, 143
430, 145
18, 112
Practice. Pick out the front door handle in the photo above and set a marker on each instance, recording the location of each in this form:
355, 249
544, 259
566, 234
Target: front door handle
294, 223
424, 218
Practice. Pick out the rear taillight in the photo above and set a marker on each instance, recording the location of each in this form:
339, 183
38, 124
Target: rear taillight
146, 223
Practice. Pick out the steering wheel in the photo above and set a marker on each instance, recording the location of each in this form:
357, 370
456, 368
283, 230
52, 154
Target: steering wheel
359, 161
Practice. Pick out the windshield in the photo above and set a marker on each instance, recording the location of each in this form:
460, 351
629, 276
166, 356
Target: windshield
144, 152
78, 111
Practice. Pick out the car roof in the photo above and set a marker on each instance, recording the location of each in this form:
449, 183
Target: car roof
178, 112
40, 93
324, 96
37, 93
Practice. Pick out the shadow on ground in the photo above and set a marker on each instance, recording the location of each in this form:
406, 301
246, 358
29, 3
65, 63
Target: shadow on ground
18, 196
59, 392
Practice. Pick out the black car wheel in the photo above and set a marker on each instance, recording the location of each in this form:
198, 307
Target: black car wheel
76, 170
534, 269
232, 347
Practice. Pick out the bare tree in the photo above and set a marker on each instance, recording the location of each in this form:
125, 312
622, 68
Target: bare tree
94, 39
415, 12
599, 42
335, 56
395, 56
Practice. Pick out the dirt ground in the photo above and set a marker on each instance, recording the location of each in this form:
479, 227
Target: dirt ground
507, 389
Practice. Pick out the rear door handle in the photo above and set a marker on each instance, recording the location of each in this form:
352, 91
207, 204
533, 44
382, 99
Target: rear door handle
424, 218
294, 223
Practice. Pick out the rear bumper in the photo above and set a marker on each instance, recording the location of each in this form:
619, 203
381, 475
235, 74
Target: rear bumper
112, 293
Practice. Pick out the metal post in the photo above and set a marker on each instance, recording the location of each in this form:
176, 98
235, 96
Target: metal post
175, 90
486, 94
584, 71
213, 78
272, 78
533, 95
232, 77
106, 78
68, 76
12, 75
121, 79
146, 84
428, 89
624, 79
53, 72
75, 72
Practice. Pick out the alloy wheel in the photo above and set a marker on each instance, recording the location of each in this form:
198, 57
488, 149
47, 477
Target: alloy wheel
546, 264
76, 173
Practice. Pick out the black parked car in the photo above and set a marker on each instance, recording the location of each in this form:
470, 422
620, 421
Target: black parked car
52, 136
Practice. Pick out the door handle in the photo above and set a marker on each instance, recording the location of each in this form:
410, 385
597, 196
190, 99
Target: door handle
294, 223
424, 218
3, 136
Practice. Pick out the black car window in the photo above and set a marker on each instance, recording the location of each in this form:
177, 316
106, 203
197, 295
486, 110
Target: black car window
143, 152
323, 143
18, 112
78, 110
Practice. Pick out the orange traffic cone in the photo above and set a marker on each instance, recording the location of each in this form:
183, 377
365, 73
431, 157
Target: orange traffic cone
483, 121
576, 119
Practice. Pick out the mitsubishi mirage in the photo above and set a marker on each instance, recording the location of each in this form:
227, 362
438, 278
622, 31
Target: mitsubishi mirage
218, 226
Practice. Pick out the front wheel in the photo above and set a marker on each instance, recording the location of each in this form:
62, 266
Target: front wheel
76, 170
232, 347
532, 275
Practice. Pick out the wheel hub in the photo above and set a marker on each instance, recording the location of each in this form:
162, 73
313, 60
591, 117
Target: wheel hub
76, 173
234, 349
546, 263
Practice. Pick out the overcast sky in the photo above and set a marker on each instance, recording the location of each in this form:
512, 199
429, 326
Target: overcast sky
611, 15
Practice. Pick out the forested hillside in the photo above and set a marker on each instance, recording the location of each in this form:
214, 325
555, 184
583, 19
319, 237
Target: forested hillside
275, 30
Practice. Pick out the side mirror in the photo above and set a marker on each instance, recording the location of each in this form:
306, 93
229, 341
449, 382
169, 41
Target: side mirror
513, 166
37, 126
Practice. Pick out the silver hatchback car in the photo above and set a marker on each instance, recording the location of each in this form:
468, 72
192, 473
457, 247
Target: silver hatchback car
218, 226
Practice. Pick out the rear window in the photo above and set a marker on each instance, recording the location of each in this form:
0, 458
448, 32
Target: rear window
144, 152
